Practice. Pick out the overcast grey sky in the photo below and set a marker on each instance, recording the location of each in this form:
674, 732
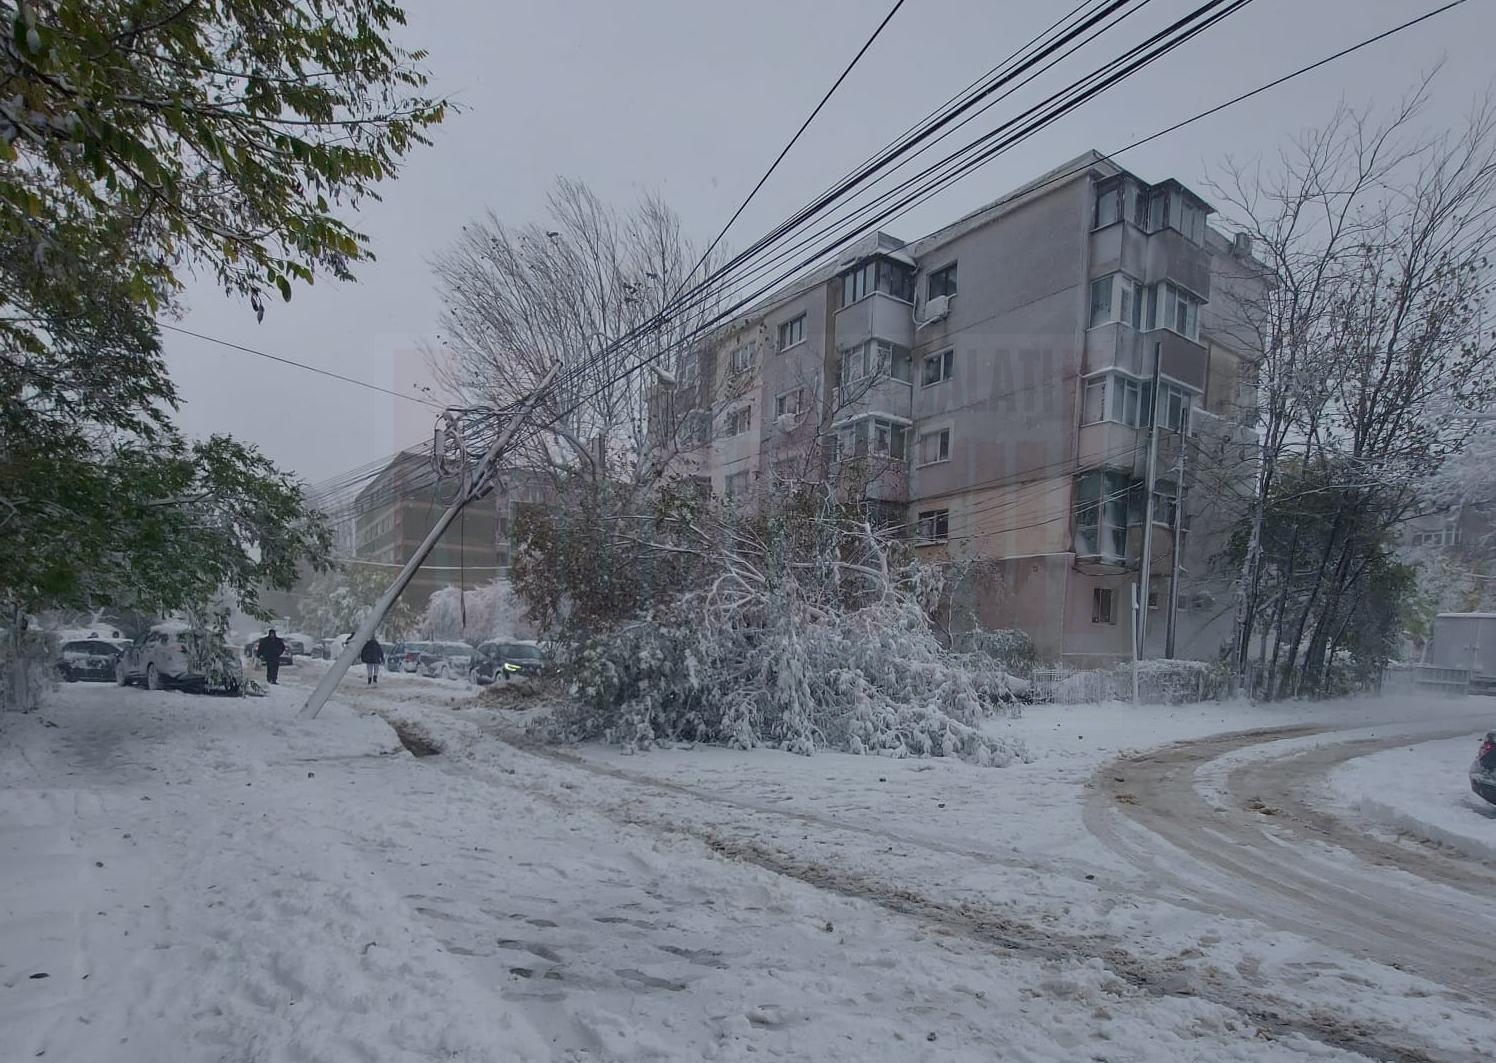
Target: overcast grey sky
694, 98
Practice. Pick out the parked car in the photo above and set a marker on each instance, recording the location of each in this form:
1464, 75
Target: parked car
443, 660
91, 659
163, 657
410, 657
1483, 771
507, 660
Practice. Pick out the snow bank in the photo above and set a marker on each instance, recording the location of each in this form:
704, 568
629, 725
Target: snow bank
1423, 790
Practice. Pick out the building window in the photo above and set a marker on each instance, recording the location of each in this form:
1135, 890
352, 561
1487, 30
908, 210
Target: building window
1449, 535
938, 368
850, 439
696, 428
1103, 605
1130, 401
735, 484
879, 274
935, 447
740, 420
1171, 307
889, 440
858, 284
872, 435
791, 332
1174, 407
1186, 216
935, 525
1165, 506
875, 357
1101, 514
1108, 203
742, 358
790, 403
688, 370
941, 282
1116, 297
1093, 404
1101, 301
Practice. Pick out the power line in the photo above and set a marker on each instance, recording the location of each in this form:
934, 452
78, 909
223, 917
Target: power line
1065, 175
795, 139
1038, 116
299, 365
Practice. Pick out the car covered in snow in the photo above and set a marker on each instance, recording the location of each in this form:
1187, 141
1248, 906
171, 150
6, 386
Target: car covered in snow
514, 659
88, 659
443, 660
174, 655
1483, 771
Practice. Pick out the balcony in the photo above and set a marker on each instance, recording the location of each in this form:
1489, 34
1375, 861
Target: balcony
1119, 346
1112, 445
1172, 256
876, 316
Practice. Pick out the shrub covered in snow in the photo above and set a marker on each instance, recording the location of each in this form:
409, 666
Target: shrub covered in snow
802, 629
1160, 682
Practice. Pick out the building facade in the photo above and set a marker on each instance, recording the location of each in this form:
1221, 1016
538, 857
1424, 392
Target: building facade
1007, 389
398, 509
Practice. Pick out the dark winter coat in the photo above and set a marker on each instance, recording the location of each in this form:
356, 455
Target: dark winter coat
372, 653
271, 648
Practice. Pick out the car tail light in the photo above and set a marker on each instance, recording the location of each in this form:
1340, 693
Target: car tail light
1486, 748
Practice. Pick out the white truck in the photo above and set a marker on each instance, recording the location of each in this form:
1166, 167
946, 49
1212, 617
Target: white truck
1466, 641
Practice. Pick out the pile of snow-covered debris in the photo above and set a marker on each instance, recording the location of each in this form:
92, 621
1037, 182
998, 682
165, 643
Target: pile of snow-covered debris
814, 637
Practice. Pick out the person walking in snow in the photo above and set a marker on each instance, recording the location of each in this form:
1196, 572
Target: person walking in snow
270, 649
372, 655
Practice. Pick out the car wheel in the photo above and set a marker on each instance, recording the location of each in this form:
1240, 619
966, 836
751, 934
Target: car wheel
153, 678
443, 672
121, 674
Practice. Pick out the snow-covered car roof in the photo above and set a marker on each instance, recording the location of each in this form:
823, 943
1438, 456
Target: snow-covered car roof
171, 627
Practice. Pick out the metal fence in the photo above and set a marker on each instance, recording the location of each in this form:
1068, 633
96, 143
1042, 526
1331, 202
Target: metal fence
1426, 679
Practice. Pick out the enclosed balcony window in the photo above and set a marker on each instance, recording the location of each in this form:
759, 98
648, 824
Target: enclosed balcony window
1101, 514
876, 358
879, 437
1116, 297
880, 275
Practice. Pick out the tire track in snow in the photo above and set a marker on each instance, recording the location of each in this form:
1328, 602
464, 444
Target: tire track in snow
1147, 808
1274, 1015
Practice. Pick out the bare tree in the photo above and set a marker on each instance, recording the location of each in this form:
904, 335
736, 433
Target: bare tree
517, 299
1375, 239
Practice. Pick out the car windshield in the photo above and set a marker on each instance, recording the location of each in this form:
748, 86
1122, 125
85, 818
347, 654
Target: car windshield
417, 647
456, 649
520, 652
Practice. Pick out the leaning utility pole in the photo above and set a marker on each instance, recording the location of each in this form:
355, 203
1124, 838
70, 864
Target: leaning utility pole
1178, 560
1145, 563
472, 482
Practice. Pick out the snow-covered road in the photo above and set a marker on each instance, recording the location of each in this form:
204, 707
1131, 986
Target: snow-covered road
208, 880
1258, 848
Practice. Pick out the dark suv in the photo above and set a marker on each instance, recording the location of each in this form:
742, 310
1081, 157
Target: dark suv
87, 659
507, 660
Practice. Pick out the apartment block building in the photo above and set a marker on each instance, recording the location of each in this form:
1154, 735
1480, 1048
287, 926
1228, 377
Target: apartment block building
398, 509
991, 388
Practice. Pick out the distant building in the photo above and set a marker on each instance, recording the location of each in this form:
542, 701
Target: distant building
397, 510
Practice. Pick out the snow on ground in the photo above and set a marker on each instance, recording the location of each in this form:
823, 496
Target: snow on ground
1422, 790
214, 879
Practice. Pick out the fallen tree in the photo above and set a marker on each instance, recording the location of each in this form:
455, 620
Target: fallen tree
801, 626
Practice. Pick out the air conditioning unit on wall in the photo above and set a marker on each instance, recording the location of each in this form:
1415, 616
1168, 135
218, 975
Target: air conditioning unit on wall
936, 309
